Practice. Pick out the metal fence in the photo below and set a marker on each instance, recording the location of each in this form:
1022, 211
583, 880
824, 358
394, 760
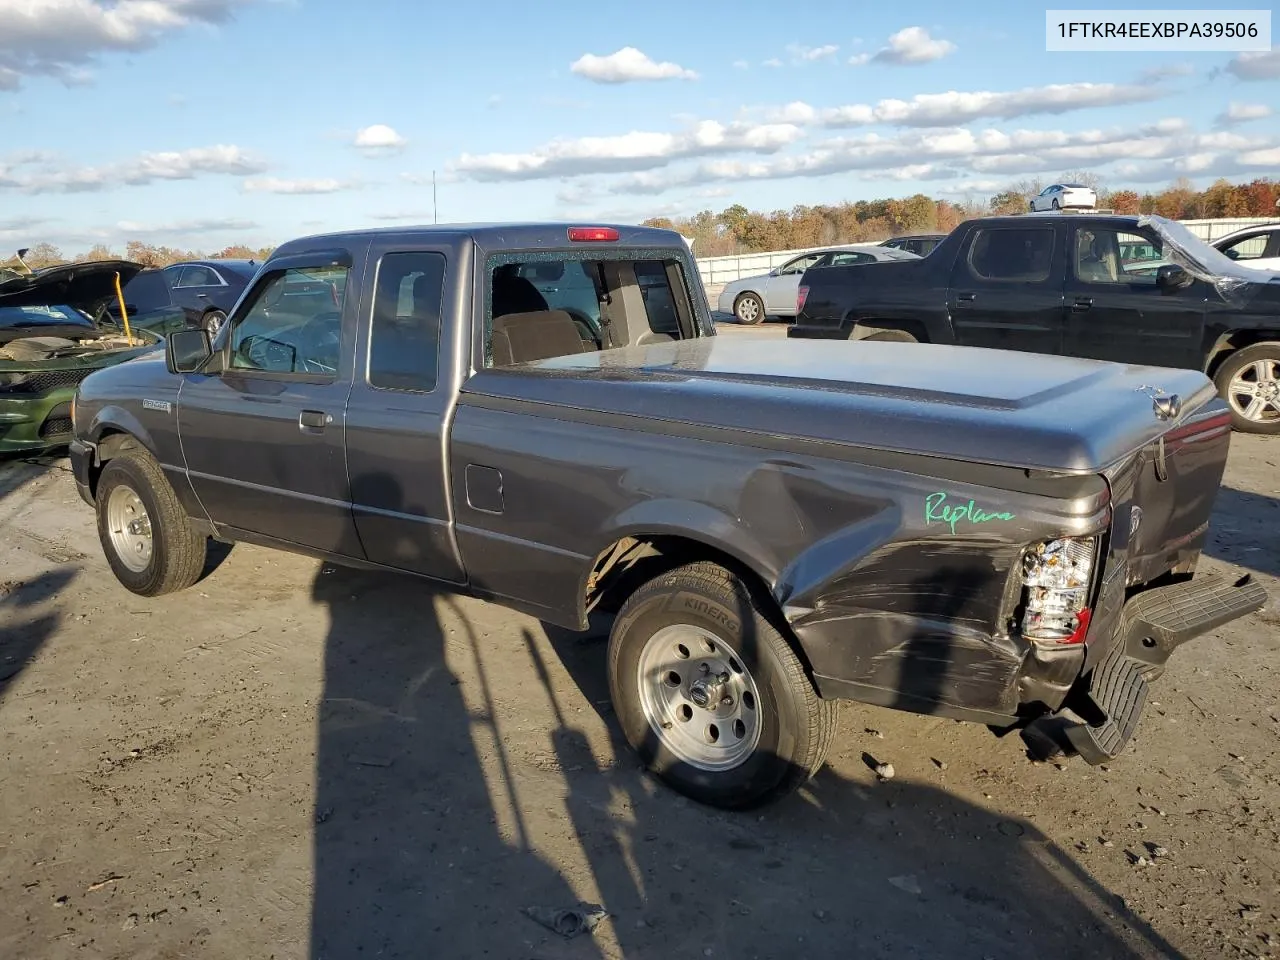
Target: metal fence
717, 271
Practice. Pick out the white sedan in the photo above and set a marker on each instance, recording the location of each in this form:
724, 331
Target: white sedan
1064, 196
1257, 247
773, 294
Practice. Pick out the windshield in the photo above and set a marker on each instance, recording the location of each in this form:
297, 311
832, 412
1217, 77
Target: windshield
50, 316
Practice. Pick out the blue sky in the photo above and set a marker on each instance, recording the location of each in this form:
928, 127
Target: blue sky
205, 122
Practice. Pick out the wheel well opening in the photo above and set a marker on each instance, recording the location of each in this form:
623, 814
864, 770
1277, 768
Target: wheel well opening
111, 444
629, 563
864, 329
1236, 342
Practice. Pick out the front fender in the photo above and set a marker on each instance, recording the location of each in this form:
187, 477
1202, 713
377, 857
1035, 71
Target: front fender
113, 418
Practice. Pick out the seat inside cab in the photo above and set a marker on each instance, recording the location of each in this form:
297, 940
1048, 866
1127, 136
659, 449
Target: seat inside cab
541, 309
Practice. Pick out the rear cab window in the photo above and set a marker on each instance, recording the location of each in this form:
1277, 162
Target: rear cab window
551, 305
1010, 254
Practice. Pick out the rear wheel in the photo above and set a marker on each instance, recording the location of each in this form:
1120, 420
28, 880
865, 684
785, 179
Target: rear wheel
145, 533
748, 308
1249, 380
711, 695
1056, 205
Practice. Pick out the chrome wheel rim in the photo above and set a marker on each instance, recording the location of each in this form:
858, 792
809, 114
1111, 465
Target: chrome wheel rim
748, 309
129, 527
699, 698
1254, 392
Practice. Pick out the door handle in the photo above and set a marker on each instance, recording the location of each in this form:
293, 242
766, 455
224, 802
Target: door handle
965, 299
203, 296
313, 420
1081, 304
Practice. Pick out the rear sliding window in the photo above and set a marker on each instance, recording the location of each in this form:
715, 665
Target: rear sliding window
550, 307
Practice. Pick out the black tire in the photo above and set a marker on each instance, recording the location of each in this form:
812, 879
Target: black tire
177, 552
796, 726
900, 336
1234, 364
743, 304
1056, 205
213, 322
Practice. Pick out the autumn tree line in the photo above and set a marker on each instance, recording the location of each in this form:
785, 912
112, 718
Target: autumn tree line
739, 230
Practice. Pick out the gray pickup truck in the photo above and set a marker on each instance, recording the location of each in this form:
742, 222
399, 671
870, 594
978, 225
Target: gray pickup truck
543, 415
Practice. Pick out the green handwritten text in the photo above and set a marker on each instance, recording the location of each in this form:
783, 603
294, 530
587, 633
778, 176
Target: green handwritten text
937, 510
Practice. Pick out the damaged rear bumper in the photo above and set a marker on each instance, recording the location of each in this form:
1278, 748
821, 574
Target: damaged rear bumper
1104, 707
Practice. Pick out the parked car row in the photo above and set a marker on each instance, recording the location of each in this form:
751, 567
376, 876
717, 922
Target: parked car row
59, 324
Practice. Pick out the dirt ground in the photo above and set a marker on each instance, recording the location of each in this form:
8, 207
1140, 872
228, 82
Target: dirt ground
294, 760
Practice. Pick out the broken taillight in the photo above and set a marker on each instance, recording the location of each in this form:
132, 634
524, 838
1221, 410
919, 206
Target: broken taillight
802, 294
593, 234
1058, 577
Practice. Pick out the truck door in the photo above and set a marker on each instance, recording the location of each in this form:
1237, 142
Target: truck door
1115, 311
262, 431
407, 374
1006, 287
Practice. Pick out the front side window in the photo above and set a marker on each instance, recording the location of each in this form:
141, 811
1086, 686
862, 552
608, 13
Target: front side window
404, 337
1012, 255
294, 325
1247, 248
1106, 255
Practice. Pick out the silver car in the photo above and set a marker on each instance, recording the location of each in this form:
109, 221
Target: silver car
773, 294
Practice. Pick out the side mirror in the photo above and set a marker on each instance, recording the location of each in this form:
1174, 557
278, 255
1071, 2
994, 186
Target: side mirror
185, 351
1171, 277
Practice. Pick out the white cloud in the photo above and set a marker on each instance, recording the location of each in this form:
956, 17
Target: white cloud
913, 45
1261, 158
810, 54
1260, 65
741, 65
1168, 72
142, 170
423, 217
772, 62
210, 225
859, 59
1237, 113
295, 187
378, 140
637, 150
626, 66
60, 38
795, 112
956, 107
948, 153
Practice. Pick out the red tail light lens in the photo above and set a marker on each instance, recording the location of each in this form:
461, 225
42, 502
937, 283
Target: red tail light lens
592, 234
1058, 578
801, 296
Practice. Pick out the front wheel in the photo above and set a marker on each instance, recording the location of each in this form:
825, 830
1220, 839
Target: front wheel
145, 533
749, 309
1249, 380
1057, 205
711, 695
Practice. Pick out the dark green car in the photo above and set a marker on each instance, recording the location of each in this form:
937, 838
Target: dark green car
55, 330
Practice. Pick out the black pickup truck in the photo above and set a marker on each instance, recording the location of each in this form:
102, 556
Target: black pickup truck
545, 417
1124, 288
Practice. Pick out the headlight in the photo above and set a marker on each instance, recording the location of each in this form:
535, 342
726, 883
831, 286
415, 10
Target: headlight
1058, 577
